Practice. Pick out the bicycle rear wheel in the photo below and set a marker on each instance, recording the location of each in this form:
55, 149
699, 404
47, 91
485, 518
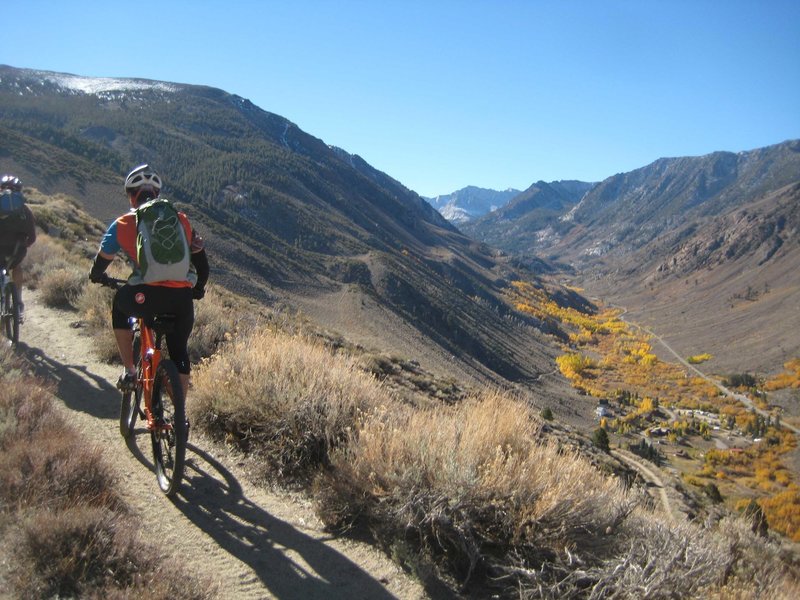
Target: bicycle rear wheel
11, 313
131, 401
169, 437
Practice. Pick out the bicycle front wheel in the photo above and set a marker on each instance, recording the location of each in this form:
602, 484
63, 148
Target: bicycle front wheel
169, 436
131, 401
11, 313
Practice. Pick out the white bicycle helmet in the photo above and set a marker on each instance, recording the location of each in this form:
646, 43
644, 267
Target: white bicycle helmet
142, 176
10, 182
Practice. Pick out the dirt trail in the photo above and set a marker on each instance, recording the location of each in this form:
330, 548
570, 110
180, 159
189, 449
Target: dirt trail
250, 542
650, 476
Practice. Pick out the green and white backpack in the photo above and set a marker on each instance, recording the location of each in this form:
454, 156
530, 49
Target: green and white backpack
162, 249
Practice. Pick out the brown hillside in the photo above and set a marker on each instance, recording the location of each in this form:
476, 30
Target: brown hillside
730, 287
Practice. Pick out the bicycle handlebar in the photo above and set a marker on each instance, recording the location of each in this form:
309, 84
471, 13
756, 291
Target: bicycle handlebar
112, 282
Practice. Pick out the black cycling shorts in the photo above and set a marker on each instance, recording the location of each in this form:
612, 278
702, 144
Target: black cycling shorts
14, 254
149, 300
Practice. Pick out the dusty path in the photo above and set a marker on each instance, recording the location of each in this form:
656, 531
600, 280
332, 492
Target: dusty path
251, 543
650, 476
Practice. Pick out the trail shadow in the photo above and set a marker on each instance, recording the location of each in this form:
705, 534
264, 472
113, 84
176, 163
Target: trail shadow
141, 454
290, 563
79, 388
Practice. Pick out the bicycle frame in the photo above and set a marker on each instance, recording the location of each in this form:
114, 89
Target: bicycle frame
159, 384
150, 357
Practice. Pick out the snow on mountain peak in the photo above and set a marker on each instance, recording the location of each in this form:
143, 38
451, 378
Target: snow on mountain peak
99, 85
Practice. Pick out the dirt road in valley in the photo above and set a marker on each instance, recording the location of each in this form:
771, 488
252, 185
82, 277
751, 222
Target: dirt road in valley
743, 398
250, 542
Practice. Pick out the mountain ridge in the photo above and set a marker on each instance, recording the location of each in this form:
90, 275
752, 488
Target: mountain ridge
287, 218
668, 239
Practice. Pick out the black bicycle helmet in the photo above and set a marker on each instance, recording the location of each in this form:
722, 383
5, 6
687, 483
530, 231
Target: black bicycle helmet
10, 182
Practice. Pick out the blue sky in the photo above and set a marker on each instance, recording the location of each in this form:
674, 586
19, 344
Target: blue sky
441, 94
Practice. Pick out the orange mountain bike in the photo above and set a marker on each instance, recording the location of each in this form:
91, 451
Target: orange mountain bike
159, 384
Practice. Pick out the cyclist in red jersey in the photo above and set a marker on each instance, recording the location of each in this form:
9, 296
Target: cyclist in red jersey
136, 299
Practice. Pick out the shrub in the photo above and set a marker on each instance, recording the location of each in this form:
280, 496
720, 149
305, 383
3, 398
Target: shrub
86, 552
744, 380
94, 307
600, 439
60, 511
285, 397
712, 491
699, 358
62, 288
220, 316
44, 256
468, 485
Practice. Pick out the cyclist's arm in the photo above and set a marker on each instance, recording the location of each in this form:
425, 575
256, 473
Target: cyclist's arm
109, 246
31, 233
200, 262
99, 267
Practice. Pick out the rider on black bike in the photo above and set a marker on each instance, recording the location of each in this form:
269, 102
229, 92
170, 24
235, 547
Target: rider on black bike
17, 234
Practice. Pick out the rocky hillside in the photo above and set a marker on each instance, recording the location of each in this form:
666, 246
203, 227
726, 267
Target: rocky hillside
729, 286
627, 211
288, 219
529, 221
755, 233
704, 249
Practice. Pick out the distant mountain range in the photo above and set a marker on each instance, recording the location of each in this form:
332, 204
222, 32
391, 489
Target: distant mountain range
470, 202
287, 218
704, 249
525, 223
680, 242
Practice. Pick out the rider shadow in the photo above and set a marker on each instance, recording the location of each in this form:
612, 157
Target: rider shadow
87, 393
288, 562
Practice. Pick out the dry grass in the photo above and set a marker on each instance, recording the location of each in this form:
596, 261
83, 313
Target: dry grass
657, 559
475, 494
471, 484
220, 316
287, 398
94, 307
44, 462
60, 512
61, 288
87, 552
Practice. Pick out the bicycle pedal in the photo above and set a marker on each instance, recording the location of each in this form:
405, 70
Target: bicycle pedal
159, 426
126, 382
